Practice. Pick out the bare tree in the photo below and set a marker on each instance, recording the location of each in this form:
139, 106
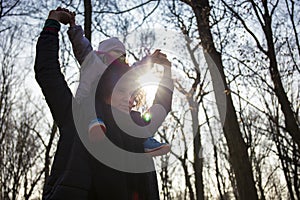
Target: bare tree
262, 140
238, 151
264, 13
88, 19
20, 135
19, 145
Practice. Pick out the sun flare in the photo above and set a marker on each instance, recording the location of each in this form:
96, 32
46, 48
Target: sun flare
149, 83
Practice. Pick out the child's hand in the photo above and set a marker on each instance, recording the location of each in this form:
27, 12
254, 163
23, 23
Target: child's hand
72, 19
160, 58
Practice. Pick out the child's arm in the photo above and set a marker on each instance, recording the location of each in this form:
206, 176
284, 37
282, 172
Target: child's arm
165, 90
163, 98
162, 102
92, 67
81, 45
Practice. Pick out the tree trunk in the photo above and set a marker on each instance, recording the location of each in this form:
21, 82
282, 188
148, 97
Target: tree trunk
165, 179
290, 119
48, 151
187, 179
237, 149
198, 160
88, 19
284, 163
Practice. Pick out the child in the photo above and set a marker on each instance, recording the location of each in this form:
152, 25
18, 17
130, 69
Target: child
92, 68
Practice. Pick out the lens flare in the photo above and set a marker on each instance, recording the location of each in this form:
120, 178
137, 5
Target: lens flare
147, 117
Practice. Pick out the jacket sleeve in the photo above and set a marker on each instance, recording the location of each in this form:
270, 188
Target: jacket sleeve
48, 75
162, 102
81, 45
164, 92
161, 105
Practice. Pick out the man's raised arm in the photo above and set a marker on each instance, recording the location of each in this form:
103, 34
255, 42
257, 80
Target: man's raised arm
47, 69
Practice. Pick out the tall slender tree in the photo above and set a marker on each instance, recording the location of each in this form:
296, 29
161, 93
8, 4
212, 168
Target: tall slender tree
88, 19
237, 148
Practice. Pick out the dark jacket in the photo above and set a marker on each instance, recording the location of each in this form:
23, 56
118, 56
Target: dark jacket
75, 173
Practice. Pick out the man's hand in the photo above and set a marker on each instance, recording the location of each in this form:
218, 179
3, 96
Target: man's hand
72, 15
62, 15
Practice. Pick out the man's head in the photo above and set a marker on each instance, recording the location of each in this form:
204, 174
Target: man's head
107, 86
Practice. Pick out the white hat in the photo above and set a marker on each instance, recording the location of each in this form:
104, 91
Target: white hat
95, 64
112, 44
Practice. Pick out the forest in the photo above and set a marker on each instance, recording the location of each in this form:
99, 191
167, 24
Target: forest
234, 126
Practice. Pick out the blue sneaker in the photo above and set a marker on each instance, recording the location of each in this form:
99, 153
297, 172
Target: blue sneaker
155, 148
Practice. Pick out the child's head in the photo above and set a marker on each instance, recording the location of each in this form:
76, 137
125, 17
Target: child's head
113, 49
112, 44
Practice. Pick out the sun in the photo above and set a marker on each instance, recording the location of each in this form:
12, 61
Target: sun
149, 83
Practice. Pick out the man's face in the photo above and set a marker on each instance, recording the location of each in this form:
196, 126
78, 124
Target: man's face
122, 99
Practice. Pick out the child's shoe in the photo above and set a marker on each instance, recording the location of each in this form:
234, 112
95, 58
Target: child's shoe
155, 148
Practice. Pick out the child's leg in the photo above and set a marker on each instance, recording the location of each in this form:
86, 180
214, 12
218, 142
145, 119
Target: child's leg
96, 126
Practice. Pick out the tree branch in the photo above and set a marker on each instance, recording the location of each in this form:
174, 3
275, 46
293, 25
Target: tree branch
127, 10
246, 27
